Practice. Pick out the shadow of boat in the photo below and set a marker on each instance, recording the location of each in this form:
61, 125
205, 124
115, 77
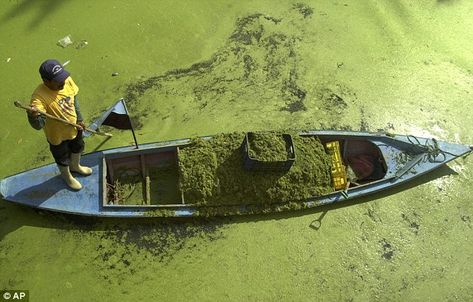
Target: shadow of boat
13, 216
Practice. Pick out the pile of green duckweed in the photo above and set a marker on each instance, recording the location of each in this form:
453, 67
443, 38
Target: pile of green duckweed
198, 170
212, 173
267, 146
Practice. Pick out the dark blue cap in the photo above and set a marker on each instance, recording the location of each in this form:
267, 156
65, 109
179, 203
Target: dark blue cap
53, 70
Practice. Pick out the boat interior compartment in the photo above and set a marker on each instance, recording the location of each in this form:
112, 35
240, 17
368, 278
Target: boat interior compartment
142, 178
363, 160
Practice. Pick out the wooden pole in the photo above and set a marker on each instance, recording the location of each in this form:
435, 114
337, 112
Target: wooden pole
19, 105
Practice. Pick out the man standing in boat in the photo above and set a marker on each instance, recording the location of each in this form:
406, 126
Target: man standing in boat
57, 95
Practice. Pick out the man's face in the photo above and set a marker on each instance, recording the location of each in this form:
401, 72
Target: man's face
53, 85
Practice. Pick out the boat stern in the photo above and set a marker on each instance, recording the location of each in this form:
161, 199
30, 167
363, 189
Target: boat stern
43, 188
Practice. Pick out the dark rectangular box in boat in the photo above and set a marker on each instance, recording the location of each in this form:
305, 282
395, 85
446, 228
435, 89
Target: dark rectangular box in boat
252, 164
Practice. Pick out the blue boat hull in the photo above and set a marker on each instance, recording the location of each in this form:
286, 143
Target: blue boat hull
43, 188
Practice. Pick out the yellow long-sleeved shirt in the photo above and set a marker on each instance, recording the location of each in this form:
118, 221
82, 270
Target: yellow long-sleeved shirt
59, 104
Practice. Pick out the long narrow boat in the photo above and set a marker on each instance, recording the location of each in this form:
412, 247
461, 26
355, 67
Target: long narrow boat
401, 159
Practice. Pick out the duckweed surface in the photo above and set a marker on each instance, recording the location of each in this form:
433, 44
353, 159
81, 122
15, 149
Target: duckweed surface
195, 68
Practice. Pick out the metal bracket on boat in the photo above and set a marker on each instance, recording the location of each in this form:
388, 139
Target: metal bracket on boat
409, 166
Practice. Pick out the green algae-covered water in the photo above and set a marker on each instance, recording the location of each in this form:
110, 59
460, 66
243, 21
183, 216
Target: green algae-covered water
204, 67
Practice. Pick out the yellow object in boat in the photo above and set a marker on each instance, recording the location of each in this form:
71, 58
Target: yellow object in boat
339, 174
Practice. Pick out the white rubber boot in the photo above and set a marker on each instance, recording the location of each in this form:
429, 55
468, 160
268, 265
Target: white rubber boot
67, 176
76, 167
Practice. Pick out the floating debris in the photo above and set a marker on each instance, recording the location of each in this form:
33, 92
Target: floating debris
82, 44
114, 74
64, 42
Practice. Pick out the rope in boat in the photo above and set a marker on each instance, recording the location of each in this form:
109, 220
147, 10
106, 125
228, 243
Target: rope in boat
432, 152
432, 149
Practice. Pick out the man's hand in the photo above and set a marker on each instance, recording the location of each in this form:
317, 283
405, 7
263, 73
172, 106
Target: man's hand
81, 124
33, 111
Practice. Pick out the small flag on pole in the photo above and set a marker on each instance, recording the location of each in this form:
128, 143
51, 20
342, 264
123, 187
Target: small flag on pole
117, 117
